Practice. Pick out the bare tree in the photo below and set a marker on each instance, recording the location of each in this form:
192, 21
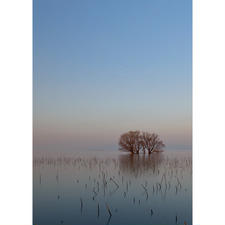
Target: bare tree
134, 141
151, 142
130, 141
146, 141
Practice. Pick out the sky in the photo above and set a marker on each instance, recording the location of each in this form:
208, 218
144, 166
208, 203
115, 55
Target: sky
101, 68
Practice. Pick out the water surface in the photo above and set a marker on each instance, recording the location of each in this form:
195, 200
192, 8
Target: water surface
94, 188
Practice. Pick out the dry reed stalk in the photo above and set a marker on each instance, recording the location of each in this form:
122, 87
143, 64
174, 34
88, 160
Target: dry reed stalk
108, 209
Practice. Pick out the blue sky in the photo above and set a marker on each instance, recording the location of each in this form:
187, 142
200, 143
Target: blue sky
105, 67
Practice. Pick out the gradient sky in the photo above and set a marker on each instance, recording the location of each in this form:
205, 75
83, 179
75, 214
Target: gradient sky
104, 67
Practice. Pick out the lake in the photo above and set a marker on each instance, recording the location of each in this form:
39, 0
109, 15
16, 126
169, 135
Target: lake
110, 187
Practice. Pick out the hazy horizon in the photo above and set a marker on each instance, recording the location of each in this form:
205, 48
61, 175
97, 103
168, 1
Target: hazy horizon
102, 68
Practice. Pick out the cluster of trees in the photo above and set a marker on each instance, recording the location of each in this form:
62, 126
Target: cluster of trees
136, 142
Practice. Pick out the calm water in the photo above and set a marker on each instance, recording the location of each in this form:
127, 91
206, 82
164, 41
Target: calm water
99, 188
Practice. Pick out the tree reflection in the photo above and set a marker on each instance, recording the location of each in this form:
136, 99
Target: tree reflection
140, 164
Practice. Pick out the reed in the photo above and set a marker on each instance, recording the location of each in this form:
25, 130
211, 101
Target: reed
81, 206
108, 209
98, 210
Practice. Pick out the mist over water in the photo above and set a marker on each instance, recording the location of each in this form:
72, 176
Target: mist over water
100, 187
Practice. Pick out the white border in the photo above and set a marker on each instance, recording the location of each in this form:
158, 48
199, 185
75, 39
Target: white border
16, 112
209, 112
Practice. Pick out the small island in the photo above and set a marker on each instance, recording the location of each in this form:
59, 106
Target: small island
136, 142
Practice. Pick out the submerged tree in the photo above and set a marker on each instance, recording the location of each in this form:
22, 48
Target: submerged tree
130, 142
151, 142
134, 141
